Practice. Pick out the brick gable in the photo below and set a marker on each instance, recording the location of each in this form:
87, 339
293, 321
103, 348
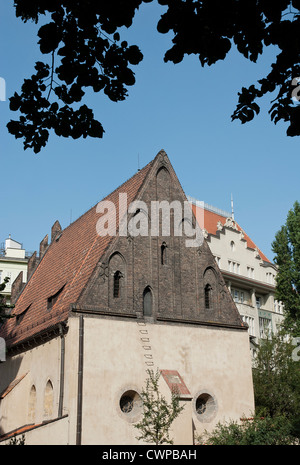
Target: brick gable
177, 286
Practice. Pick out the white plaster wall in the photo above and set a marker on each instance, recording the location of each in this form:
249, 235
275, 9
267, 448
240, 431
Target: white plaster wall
41, 364
215, 360
208, 359
14, 268
242, 255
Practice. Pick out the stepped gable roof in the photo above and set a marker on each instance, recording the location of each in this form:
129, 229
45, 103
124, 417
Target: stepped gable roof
64, 270
211, 220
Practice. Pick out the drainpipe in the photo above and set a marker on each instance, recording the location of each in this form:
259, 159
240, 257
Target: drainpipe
80, 379
62, 371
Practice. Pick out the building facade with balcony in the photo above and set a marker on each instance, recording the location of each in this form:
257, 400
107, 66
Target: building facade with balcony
248, 273
13, 261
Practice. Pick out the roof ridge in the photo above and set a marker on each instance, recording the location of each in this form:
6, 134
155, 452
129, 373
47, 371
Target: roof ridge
108, 195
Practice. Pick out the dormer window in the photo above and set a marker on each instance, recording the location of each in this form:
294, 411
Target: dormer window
20, 316
51, 301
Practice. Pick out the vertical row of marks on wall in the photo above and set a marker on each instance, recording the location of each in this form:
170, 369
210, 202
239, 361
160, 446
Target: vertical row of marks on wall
146, 346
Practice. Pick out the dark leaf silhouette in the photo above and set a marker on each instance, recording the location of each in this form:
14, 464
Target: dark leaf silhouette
83, 40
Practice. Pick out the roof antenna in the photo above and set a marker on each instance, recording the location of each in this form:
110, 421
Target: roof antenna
232, 212
138, 162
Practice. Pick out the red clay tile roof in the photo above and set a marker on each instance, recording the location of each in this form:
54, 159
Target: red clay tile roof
18, 431
25, 428
68, 264
175, 382
211, 220
12, 385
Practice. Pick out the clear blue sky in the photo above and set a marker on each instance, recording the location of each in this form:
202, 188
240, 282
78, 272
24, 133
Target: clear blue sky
184, 109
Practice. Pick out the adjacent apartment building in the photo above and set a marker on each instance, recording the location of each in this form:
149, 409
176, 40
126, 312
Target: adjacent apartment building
248, 273
13, 261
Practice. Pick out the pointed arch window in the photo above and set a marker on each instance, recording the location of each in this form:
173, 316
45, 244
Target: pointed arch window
117, 286
208, 296
163, 253
147, 302
32, 404
48, 400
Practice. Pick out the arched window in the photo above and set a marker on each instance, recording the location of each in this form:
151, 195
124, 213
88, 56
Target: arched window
48, 400
163, 253
208, 295
147, 302
210, 284
117, 278
31, 405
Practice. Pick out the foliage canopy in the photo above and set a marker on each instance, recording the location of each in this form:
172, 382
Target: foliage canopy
82, 48
286, 247
276, 378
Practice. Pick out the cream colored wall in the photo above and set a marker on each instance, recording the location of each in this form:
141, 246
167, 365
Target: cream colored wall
56, 433
242, 255
212, 359
14, 253
209, 359
220, 247
14, 268
41, 364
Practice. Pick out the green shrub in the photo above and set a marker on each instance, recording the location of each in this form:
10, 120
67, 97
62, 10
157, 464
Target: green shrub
254, 431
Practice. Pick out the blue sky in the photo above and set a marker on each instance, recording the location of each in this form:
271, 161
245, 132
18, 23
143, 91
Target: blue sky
184, 109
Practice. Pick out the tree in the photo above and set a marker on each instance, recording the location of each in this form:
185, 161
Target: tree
276, 378
158, 414
286, 246
82, 48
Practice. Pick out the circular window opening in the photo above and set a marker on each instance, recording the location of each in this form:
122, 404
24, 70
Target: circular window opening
126, 404
130, 404
205, 407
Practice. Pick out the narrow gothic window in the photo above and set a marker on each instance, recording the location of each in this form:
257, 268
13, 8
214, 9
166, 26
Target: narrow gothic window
48, 400
207, 295
163, 254
117, 277
32, 404
147, 302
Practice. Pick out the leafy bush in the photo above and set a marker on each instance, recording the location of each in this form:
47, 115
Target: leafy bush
254, 431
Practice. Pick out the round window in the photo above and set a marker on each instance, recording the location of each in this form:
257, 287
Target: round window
126, 404
205, 407
130, 404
